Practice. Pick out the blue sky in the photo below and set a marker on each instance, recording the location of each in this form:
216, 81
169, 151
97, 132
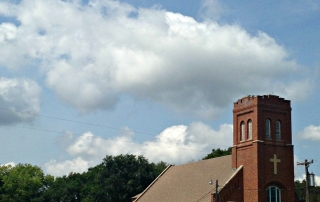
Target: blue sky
80, 80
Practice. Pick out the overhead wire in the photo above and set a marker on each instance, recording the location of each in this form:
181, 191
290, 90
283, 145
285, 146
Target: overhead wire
103, 126
46, 130
206, 194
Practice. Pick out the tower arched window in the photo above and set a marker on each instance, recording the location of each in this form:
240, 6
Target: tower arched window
273, 194
242, 127
250, 129
278, 130
268, 129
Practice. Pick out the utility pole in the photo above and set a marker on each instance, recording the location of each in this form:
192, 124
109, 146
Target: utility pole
217, 186
306, 165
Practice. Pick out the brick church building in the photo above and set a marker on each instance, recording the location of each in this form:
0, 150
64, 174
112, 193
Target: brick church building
260, 168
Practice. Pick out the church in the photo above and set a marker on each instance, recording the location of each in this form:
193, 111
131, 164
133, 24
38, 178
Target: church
261, 166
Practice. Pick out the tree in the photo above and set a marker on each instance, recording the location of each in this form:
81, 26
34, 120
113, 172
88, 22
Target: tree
116, 179
23, 182
218, 152
159, 167
65, 188
124, 176
300, 189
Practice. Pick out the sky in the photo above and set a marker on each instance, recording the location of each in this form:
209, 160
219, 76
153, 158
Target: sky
80, 80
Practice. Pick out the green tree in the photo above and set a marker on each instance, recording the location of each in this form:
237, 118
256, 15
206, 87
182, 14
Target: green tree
23, 182
124, 176
4, 170
159, 167
116, 179
300, 189
65, 188
218, 152
91, 190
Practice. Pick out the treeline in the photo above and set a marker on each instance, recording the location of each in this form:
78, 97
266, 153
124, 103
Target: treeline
115, 179
300, 189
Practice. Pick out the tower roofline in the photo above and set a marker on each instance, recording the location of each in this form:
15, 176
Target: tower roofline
262, 99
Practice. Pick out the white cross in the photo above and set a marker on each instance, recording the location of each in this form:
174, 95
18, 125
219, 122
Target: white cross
275, 161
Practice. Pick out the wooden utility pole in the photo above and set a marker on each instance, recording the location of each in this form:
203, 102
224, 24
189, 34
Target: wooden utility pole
306, 165
217, 197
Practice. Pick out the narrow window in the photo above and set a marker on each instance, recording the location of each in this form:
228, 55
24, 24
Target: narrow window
250, 129
268, 129
278, 130
242, 131
273, 194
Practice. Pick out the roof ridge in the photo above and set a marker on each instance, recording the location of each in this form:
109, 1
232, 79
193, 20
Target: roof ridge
232, 176
203, 160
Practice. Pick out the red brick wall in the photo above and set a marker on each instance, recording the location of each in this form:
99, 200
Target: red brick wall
255, 154
232, 191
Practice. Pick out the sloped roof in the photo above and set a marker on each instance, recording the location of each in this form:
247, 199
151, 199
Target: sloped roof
189, 182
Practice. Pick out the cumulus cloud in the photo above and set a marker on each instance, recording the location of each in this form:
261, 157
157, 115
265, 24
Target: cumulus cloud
91, 54
19, 100
310, 132
211, 9
77, 165
7, 32
176, 144
12, 164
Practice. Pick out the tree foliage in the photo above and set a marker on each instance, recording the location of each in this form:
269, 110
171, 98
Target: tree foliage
124, 176
300, 189
23, 182
116, 179
218, 152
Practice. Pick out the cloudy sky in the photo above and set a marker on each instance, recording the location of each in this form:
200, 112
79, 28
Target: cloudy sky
82, 79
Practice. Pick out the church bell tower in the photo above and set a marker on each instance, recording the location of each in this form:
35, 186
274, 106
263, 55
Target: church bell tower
262, 144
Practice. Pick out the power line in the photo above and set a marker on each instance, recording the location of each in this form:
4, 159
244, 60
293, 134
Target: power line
206, 194
46, 130
91, 124
79, 122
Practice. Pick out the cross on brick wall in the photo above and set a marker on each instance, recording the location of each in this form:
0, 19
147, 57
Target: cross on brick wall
275, 165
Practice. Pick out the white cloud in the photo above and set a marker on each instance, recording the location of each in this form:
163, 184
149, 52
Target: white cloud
19, 99
310, 132
8, 32
12, 164
175, 145
211, 9
77, 165
91, 54
317, 180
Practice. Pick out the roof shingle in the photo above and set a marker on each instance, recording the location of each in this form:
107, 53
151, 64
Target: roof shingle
189, 182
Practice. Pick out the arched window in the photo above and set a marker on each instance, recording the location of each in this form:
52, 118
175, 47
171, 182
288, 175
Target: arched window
268, 129
278, 130
242, 131
273, 194
250, 129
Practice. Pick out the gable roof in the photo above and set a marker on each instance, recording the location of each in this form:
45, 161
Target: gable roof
189, 182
